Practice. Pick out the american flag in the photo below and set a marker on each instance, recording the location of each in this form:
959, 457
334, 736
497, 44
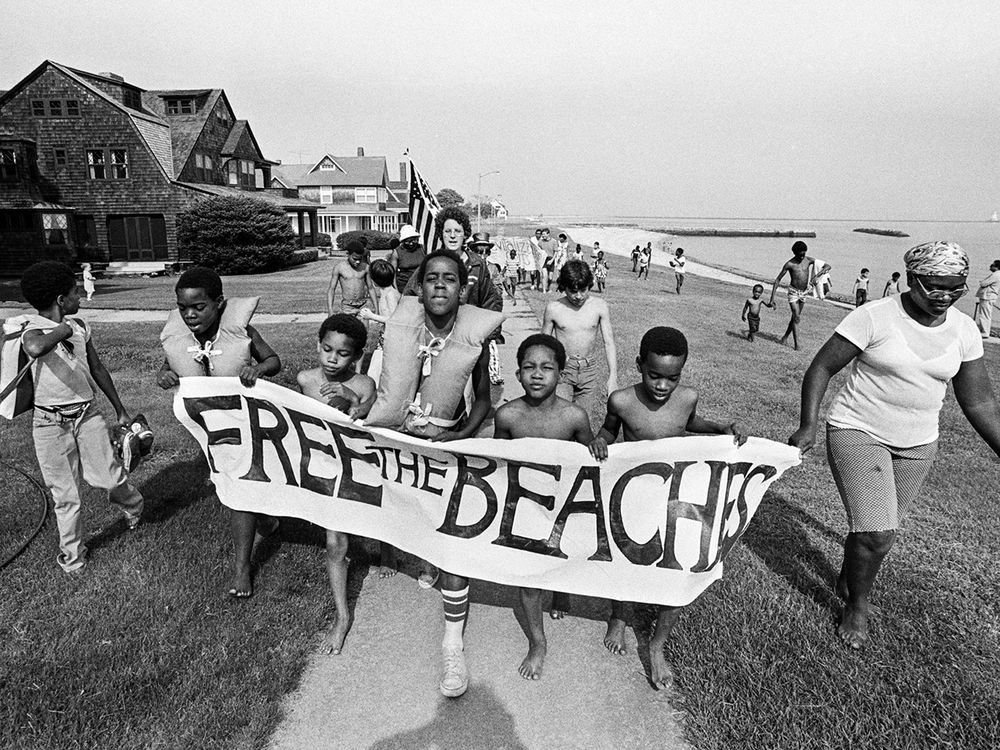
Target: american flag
423, 209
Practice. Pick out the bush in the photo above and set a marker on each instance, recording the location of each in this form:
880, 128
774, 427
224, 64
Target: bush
323, 240
303, 255
245, 258
374, 240
236, 234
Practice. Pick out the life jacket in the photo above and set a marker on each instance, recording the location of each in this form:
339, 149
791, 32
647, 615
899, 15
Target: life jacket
422, 385
225, 355
17, 377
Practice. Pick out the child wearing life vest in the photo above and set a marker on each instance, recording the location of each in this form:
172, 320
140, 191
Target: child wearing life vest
208, 335
433, 344
70, 435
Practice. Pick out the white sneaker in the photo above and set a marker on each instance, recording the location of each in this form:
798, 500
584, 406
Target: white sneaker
456, 676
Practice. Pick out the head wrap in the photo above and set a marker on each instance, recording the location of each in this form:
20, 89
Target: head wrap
940, 258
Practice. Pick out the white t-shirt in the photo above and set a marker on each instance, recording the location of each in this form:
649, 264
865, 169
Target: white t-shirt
897, 384
63, 375
677, 263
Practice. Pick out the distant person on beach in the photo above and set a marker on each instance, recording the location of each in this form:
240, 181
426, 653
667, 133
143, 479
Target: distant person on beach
677, 263
88, 282
578, 252
882, 426
656, 407
351, 275
511, 273
600, 271
892, 285
986, 299
529, 272
861, 288
643, 264
540, 413
751, 310
595, 251
799, 269
559, 258
536, 249
821, 278
576, 319
336, 382
635, 258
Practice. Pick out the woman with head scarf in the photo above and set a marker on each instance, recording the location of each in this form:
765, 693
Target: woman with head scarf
882, 427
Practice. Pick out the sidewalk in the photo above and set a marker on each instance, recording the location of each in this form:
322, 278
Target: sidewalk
381, 692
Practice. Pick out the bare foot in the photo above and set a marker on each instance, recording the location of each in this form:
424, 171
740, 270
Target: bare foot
242, 586
614, 639
660, 673
387, 570
531, 667
841, 587
853, 628
333, 639
560, 605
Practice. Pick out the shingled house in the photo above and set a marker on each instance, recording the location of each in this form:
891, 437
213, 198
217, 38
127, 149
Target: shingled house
354, 192
119, 163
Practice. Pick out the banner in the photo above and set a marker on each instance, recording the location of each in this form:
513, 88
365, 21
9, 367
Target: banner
652, 523
520, 245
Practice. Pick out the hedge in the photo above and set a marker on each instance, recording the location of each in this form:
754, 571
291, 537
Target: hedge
373, 240
304, 255
244, 259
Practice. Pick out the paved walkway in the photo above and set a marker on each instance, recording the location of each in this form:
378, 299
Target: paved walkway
381, 692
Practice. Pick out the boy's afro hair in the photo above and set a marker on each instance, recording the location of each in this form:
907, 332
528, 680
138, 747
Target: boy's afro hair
543, 339
199, 277
348, 325
663, 341
456, 214
44, 281
575, 274
463, 272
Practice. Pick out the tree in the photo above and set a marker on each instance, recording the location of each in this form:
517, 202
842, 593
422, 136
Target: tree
236, 234
448, 197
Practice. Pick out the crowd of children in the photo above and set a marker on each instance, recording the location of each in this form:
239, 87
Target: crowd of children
210, 335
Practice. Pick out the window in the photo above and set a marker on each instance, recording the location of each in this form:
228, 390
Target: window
55, 108
54, 228
203, 167
180, 106
107, 164
365, 195
131, 99
327, 166
119, 164
8, 165
325, 194
59, 157
241, 172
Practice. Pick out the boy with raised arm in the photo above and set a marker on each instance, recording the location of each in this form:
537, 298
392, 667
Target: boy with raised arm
656, 407
352, 276
800, 271
336, 383
539, 413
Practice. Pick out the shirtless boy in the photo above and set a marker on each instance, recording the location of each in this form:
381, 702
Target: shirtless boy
751, 310
352, 275
335, 382
800, 270
656, 407
539, 413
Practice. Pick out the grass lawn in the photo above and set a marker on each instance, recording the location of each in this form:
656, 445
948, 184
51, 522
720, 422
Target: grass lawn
145, 650
756, 658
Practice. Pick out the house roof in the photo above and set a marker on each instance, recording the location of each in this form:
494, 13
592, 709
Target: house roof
350, 171
278, 200
152, 128
184, 129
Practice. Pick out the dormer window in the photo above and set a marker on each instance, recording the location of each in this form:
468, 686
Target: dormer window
178, 106
131, 99
328, 166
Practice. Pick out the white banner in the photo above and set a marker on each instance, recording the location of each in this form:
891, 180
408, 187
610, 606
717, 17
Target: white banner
651, 524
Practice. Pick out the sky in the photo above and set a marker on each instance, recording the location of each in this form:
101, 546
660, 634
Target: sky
879, 110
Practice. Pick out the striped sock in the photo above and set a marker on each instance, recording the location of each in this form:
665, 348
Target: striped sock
456, 608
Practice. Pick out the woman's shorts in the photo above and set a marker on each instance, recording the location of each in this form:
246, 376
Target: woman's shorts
876, 482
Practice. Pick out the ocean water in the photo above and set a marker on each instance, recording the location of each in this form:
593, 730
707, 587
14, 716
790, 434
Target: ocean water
835, 242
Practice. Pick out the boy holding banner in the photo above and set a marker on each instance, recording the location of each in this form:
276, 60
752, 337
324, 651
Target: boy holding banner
656, 407
335, 382
539, 413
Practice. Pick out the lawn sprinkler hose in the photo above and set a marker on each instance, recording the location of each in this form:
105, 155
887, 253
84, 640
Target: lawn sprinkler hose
43, 511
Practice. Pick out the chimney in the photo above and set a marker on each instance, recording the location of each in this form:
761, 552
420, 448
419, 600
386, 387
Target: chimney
361, 150
402, 171
112, 76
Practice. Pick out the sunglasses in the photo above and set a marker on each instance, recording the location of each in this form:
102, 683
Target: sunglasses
941, 294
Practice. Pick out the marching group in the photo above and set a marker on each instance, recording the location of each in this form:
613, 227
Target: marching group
881, 427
